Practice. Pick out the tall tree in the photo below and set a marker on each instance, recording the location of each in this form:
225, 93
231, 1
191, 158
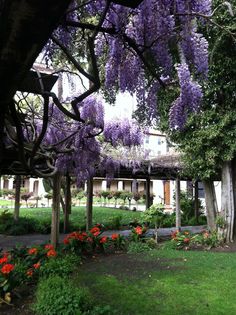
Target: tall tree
207, 140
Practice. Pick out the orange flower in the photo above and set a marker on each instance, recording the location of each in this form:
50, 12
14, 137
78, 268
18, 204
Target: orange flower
49, 246
95, 231
6, 269
33, 251
186, 240
115, 236
104, 239
186, 233
138, 230
29, 273
206, 235
174, 234
3, 260
52, 253
37, 265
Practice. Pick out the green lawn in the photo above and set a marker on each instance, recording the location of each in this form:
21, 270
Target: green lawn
163, 282
77, 218
6, 203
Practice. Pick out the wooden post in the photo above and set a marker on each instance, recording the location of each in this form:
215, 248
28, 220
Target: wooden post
89, 204
55, 210
67, 209
177, 204
196, 201
148, 201
211, 204
17, 197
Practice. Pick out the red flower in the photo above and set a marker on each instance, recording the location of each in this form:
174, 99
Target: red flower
66, 241
7, 268
89, 239
32, 251
52, 253
37, 265
138, 230
95, 231
49, 246
115, 236
186, 240
80, 237
29, 273
104, 239
3, 260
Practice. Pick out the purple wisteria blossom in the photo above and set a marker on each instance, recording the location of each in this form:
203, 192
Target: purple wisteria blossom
188, 101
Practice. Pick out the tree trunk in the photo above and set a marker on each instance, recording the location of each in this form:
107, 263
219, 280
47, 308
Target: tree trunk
227, 199
56, 210
89, 204
67, 204
234, 188
211, 204
177, 204
17, 197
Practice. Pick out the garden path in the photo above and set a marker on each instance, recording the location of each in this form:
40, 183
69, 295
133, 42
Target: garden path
7, 241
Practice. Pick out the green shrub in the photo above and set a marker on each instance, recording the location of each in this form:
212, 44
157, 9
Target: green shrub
115, 222
43, 226
11, 227
202, 220
187, 206
5, 216
60, 266
138, 247
101, 310
58, 296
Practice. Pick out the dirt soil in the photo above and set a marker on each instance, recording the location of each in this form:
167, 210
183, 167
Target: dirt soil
132, 266
21, 304
229, 248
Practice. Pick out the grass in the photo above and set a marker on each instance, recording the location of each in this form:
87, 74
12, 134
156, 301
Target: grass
164, 282
100, 215
6, 203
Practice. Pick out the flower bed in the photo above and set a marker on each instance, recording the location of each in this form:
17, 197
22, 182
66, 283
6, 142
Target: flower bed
185, 240
24, 265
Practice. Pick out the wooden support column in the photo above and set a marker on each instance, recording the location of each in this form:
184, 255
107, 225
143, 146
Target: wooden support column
148, 199
177, 204
196, 201
55, 210
67, 209
17, 197
89, 204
